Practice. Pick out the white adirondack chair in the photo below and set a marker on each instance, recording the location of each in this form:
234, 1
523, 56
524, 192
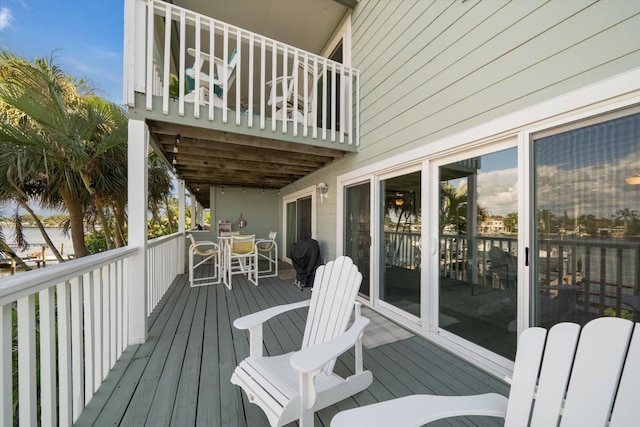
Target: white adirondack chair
588, 378
294, 385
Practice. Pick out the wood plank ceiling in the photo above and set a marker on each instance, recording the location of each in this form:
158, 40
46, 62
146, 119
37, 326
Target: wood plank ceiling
209, 158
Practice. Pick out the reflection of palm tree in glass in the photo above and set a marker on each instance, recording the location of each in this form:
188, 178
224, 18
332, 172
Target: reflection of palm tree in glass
626, 214
453, 209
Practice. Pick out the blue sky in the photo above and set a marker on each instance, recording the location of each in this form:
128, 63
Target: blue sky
84, 37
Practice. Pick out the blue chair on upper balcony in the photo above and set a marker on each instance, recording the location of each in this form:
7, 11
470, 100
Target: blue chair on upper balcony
220, 84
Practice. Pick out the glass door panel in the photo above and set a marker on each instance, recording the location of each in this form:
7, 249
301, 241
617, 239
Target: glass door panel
299, 217
587, 221
478, 250
400, 256
357, 225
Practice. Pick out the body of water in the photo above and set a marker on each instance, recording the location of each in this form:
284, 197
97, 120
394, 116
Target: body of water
36, 242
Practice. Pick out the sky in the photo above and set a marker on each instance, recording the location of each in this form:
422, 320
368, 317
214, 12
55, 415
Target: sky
84, 38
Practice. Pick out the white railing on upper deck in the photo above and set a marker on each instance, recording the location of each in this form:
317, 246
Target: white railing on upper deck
328, 107
77, 312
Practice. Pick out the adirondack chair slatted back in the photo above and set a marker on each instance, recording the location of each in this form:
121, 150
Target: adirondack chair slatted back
333, 298
596, 372
583, 367
625, 407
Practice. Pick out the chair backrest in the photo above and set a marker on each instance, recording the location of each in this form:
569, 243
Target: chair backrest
269, 243
590, 369
231, 74
243, 244
333, 298
301, 71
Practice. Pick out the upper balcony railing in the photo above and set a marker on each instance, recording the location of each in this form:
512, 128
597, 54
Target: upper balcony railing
199, 66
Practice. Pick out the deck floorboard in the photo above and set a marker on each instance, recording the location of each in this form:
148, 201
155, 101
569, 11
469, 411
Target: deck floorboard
180, 375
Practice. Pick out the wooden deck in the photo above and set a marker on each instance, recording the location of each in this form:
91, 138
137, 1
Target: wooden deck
180, 376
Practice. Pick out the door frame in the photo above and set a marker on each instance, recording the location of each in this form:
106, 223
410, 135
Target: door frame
509, 141
289, 198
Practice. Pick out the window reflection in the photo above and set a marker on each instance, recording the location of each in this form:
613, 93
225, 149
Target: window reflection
478, 250
587, 220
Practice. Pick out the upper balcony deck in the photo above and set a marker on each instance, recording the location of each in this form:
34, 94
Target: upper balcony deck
192, 75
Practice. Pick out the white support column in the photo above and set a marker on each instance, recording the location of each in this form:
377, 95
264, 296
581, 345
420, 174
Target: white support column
194, 217
138, 194
181, 227
182, 206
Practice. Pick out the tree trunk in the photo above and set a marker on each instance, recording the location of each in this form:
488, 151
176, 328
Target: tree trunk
169, 214
106, 228
46, 237
119, 213
76, 222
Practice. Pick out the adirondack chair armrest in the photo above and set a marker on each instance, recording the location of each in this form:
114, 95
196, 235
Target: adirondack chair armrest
258, 318
313, 358
253, 322
277, 80
420, 409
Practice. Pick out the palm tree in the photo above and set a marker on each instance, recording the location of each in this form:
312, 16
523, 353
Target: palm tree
71, 131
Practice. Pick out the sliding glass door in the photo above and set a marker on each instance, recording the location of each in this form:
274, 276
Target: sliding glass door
478, 249
587, 221
357, 235
400, 246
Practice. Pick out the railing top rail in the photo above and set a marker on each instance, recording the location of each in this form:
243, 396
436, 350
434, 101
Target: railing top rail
190, 15
162, 239
31, 282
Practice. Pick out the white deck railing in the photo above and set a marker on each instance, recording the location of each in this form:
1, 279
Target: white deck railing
63, 327
156, 48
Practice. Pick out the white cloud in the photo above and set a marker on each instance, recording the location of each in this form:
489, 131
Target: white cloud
5, 18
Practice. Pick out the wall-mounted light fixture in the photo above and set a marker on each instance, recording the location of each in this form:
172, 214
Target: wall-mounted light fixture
242, 223
633, 180
323, 191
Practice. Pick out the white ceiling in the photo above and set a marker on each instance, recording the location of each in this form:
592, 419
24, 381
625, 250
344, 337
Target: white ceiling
305, 24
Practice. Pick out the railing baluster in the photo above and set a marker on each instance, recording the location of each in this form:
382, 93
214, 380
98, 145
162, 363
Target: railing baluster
296, 91
272, 101
48, 394
314, 118
341, 103
149, 61
250, 101
113, 315
89, 335
212, 53
285, 83
166, 60
225, 73
198, 63
324, 99
334, 101
6, 368
64, 353
239, 74
181, 62
263, 81
27, 359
